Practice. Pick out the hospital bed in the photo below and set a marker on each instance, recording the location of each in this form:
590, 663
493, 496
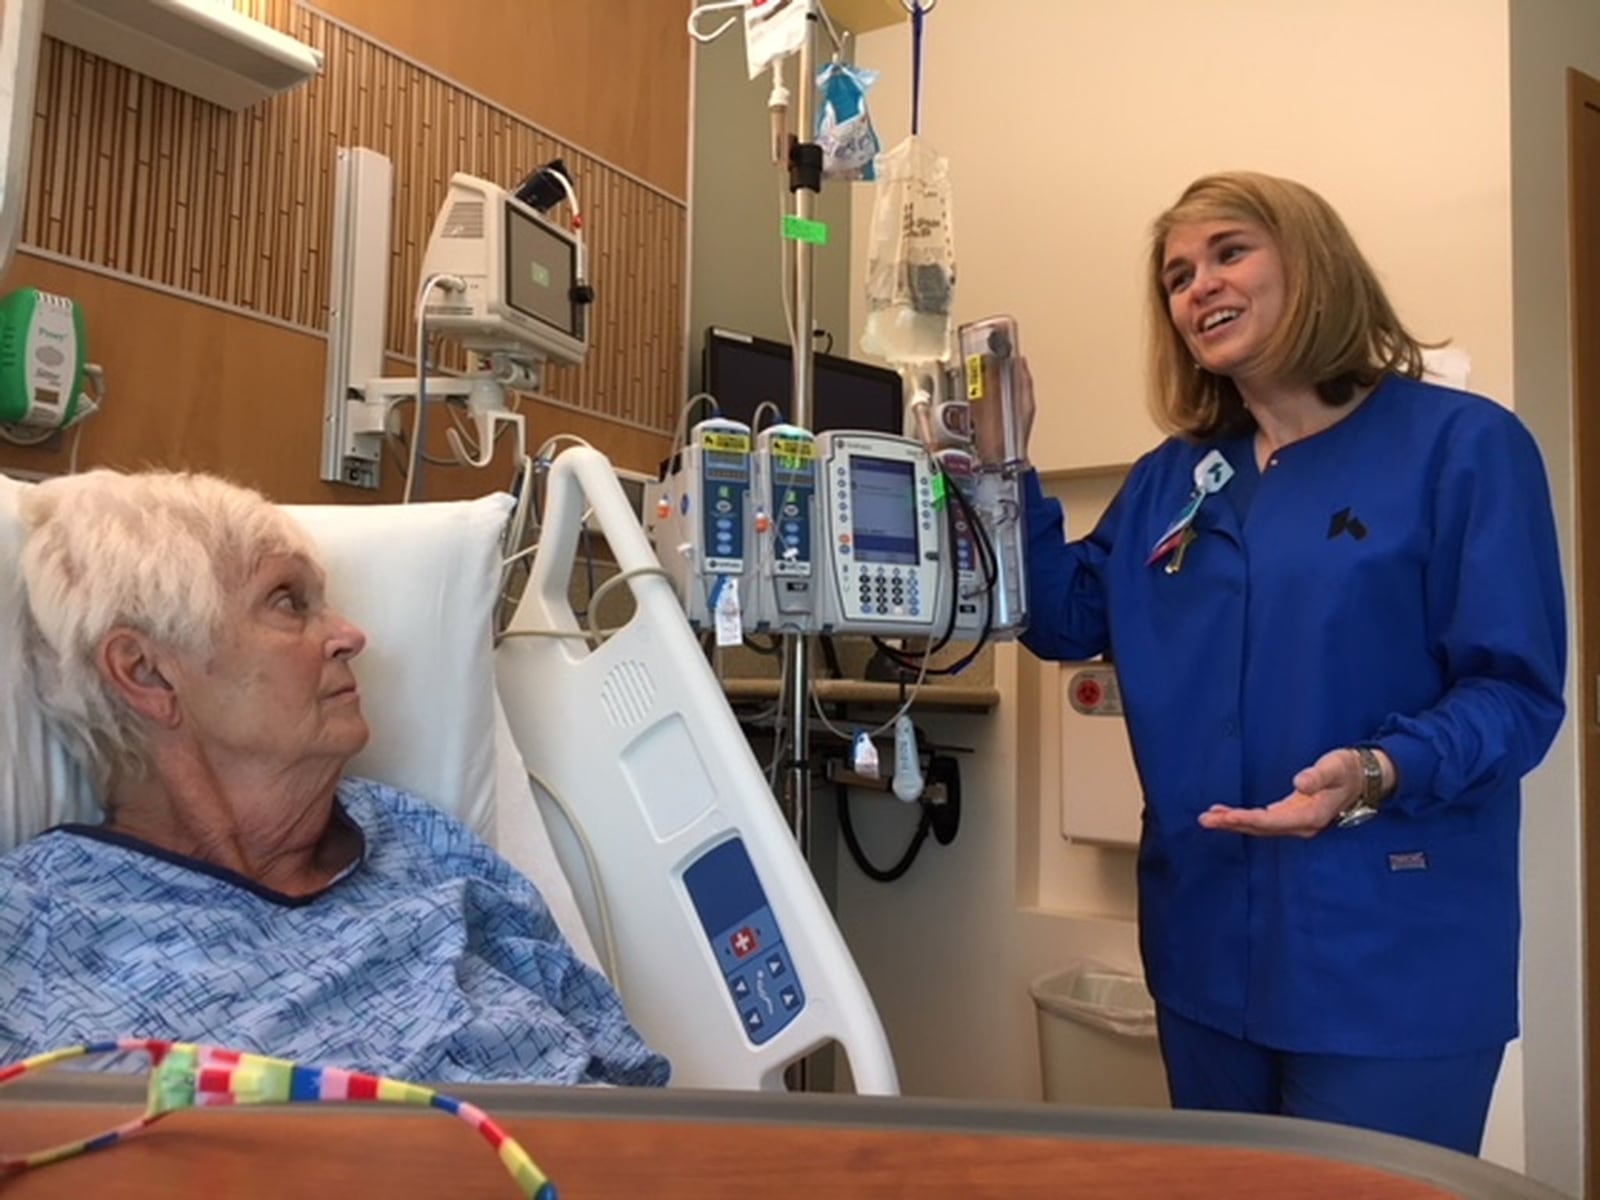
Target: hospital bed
691, 1144
670, 865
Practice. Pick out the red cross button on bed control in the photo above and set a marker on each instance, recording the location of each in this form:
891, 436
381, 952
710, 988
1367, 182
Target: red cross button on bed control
743, 943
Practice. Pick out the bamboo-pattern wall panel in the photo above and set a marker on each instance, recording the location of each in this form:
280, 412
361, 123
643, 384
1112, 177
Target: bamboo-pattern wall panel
565, 65
132, 175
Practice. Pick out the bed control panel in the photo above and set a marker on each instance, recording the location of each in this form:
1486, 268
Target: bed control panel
761, 979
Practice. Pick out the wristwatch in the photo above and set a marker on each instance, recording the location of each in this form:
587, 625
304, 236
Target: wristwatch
1365, 805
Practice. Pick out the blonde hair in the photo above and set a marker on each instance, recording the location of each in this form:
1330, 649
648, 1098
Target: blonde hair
156, 552
1338, 331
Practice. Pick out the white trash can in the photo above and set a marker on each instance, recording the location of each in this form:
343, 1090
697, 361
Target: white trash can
1097, 1039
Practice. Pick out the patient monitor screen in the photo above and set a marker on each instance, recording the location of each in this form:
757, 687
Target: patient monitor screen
883, 502
541, 267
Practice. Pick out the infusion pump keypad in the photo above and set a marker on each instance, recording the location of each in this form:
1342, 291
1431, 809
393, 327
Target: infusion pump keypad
885, 591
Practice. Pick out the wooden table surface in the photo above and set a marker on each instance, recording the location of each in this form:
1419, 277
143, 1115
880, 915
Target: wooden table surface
613, 1147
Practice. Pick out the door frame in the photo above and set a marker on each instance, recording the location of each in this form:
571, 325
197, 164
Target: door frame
1583, 216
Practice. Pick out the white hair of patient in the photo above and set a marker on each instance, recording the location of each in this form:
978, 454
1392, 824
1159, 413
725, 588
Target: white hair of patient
154, 551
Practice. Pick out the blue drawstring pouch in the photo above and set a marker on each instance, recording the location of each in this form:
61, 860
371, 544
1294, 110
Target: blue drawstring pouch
844, 127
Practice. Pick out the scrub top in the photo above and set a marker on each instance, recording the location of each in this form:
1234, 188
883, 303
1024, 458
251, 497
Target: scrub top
1392, 581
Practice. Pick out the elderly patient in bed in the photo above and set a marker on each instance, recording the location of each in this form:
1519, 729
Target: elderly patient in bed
242, 890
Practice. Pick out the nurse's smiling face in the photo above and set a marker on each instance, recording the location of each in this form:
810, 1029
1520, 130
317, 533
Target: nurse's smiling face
1226, 292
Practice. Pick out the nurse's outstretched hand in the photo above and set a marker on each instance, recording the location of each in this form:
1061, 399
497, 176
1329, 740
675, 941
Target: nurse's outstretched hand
1321, 792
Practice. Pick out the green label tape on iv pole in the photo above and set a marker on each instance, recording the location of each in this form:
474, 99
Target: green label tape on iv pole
798, 229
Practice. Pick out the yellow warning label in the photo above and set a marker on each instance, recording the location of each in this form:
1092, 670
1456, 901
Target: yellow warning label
730, 443
974, 377
801, 448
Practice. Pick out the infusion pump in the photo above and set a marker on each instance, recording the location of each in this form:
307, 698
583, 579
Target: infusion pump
850, 531
794, 532
884, 525
784, 517
697, 518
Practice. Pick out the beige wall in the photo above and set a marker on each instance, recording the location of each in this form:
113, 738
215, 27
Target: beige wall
1069, 126
1400, 118
738, 197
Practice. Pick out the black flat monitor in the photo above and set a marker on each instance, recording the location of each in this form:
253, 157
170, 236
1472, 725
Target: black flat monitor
741, 371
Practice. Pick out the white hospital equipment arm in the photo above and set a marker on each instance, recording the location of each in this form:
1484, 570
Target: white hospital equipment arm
729, 961
21, 32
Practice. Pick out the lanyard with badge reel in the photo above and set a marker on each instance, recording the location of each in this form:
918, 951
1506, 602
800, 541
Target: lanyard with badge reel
1211, 475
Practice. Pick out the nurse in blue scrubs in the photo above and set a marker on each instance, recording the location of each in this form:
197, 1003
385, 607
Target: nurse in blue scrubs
1334, 600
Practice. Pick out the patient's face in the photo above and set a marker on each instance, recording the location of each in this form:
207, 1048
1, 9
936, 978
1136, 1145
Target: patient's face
278, 687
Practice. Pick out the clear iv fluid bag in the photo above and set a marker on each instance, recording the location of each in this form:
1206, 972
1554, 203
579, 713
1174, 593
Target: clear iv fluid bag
911, 266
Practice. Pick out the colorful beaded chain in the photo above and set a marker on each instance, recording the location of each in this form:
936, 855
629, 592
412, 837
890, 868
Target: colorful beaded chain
188, 1076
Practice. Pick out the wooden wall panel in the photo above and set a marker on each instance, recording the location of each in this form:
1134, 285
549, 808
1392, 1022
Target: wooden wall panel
134, 178
193, 387
560, 64
190, 387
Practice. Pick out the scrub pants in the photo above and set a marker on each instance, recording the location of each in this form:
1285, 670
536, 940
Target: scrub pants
1440, 1100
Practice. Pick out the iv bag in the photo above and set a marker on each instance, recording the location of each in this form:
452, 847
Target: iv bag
911, 262
773, 29
844, 126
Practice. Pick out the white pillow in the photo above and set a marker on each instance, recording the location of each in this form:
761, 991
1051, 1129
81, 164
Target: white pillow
41, 784
421, 580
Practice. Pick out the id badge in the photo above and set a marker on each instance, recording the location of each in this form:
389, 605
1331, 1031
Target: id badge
1211, 475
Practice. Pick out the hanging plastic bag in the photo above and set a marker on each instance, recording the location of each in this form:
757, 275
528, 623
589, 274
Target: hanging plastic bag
844, 126
773, 29
911, 262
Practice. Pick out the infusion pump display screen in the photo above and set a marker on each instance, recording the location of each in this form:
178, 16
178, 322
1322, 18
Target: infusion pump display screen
883, 497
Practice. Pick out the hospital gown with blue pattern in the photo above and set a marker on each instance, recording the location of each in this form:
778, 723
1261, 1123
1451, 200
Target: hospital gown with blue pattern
430, 958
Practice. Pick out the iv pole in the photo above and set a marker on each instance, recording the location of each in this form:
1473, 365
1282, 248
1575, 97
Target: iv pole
805, 180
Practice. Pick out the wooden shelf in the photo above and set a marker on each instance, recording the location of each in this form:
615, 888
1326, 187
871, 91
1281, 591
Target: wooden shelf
947, 697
